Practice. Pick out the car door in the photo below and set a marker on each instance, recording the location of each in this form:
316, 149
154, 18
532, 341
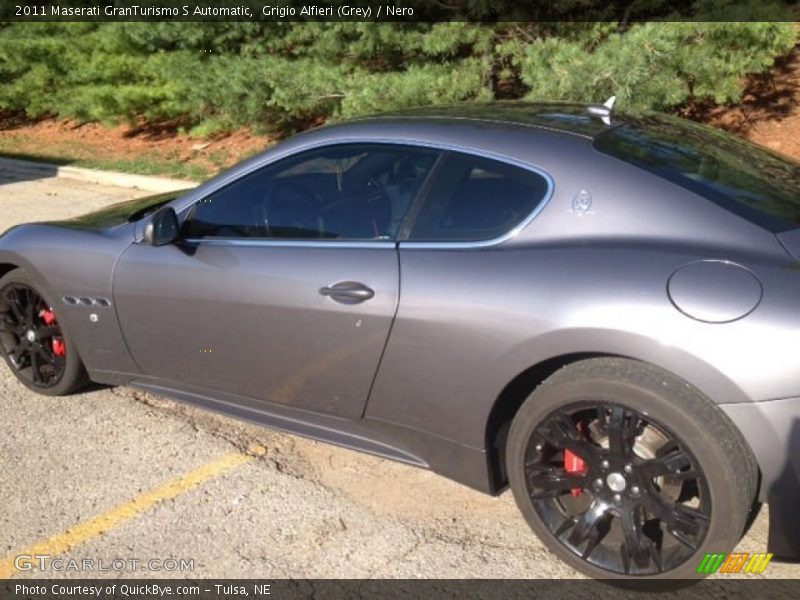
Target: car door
284, 284
467, 304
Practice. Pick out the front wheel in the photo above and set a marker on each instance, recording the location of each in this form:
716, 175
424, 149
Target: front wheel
625, 471
33, 341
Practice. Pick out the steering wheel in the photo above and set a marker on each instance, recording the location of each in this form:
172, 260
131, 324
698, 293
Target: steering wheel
291, 206
369, 209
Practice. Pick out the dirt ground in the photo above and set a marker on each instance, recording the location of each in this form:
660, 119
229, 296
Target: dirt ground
153, 150
769, 113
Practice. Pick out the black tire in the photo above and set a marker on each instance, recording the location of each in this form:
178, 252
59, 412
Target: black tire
72, 377
721, 470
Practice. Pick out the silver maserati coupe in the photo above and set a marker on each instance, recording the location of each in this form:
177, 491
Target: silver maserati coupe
600, 311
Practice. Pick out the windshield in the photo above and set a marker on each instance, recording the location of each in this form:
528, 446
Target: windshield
745, 179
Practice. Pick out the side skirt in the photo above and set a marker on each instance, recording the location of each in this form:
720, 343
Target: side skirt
464, 464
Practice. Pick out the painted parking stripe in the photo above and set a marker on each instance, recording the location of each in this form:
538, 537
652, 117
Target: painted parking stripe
85, 531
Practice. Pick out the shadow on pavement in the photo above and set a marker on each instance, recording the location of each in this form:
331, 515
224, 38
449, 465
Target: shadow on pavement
15, 168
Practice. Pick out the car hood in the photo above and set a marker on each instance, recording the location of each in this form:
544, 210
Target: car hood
120, 213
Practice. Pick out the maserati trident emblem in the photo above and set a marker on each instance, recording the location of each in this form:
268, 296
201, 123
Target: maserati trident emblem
582, 202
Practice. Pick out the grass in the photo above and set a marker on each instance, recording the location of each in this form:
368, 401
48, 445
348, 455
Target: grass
72, 154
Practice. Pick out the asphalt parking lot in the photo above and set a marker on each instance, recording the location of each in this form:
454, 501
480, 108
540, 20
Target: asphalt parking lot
117, 475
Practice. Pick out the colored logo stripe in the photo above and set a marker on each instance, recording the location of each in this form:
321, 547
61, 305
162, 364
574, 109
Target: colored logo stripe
758, 563
734, 563
711, 563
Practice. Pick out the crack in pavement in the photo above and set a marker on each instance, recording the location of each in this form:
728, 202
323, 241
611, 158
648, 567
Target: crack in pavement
244, 442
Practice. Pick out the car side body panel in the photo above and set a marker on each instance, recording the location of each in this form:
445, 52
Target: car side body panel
561, 301
78, 263
250, 319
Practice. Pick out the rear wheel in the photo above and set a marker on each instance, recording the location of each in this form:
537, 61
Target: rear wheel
33, 341
625, 471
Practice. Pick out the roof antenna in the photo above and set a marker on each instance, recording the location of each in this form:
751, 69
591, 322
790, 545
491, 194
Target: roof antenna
604, 111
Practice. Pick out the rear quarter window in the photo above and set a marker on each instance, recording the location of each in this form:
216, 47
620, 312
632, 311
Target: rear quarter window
477, 199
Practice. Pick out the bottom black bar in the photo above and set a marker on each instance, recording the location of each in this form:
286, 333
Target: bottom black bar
322, 589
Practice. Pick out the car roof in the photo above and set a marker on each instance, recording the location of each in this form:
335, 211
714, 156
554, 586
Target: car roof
567, 118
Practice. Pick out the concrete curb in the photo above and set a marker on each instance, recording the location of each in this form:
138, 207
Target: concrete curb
38, 170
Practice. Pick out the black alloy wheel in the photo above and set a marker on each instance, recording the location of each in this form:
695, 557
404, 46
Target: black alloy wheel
31, 337
617, 489
625, 471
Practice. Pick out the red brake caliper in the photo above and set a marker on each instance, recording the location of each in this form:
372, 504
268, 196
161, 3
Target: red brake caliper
58, 345
574, 464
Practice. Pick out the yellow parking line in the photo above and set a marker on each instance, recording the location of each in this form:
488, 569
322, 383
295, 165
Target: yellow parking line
60, 543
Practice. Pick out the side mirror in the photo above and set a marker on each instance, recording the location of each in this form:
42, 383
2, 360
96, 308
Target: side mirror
163, 227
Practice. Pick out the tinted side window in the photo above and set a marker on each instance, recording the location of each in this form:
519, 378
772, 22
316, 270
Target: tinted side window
347, 192
475, 199
744, 179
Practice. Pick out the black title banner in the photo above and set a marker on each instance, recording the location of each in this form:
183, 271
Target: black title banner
400, 10
429, 589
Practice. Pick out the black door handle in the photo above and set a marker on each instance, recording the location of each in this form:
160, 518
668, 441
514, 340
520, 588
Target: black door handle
348, 292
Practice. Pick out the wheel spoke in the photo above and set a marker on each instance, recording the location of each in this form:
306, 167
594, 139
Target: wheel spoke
550, 482
615, 425
35, 369
586, 526
14, 304
688, 520
557, 429
48, 361
20, 350
636, 547
595, 537
602, 419
562, 433
565, 525
14, 355
622, 431
44, 353
583, 449
30, 306
685, 524
7, 325
655, 556
671, 460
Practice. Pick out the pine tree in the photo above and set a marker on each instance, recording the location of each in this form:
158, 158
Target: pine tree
286, 76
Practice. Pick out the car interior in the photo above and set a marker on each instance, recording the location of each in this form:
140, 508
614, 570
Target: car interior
361, 195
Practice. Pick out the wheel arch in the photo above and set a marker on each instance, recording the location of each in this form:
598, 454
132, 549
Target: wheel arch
508, 402
12, 261
6, 268
516, 391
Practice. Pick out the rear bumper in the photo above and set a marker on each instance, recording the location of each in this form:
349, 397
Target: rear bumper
772, 429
